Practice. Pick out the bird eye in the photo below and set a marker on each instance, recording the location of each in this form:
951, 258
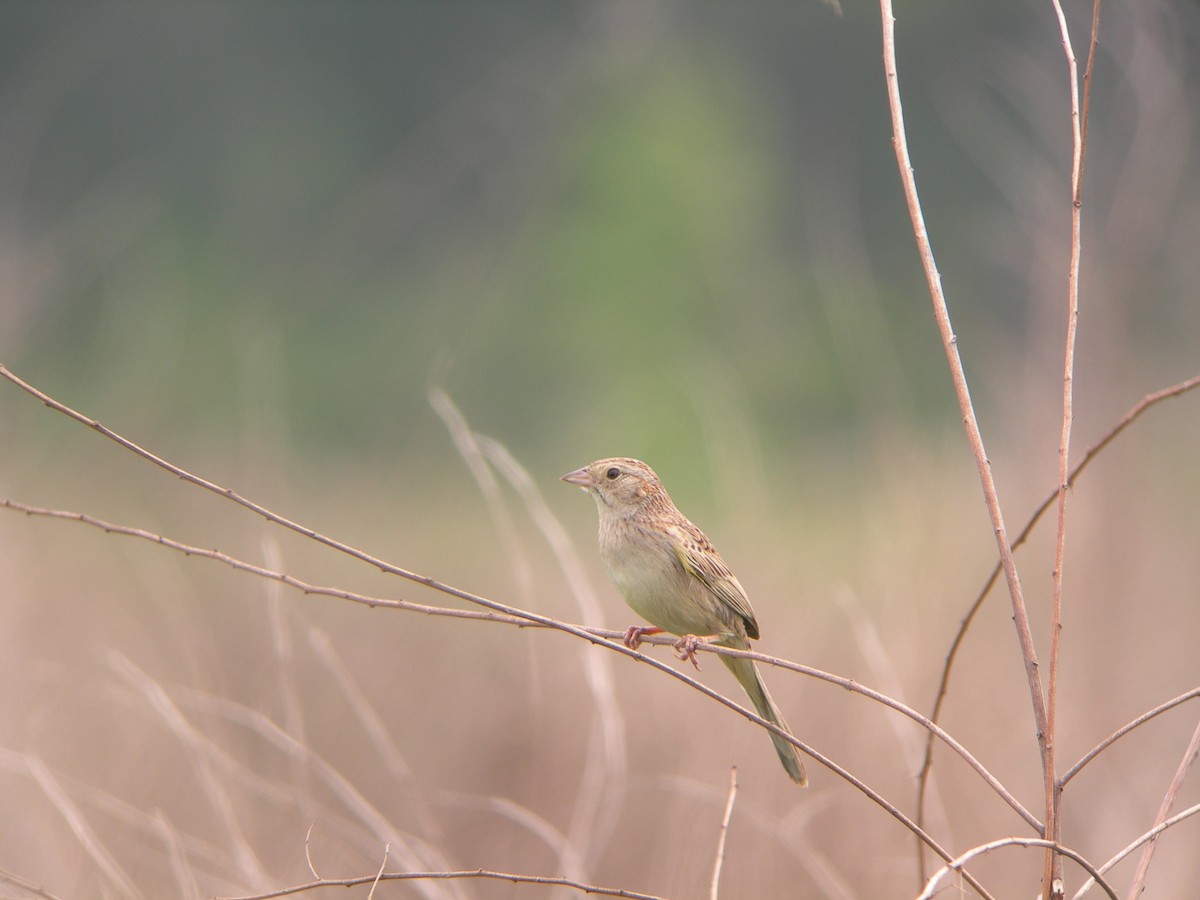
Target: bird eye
613, 473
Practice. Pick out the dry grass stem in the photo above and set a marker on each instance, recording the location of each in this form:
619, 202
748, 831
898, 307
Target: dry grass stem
88, 839
195, 743
602, 783
24, 884
176, 852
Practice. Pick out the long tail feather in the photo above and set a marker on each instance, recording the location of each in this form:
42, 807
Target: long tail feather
746, 672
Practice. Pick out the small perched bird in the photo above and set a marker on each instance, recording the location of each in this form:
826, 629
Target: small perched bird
669, 572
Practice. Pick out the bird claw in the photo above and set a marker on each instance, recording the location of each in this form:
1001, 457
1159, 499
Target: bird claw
635, 633
685, 649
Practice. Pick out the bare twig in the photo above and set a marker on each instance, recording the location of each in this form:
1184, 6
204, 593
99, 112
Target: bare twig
1189, 757
1052, 873
467, 873
1124, 730
714, 890
307, 854
955, 865
379, 874
243, 566
958, 376
260, 510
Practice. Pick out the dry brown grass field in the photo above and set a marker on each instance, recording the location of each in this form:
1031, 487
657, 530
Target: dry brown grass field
176, 728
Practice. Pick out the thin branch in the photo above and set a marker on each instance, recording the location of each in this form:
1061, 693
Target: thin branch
1093, 43
941, 314
1148, 836
957, 864
467, 873
267, 514
1092, 452
1052, 873
243, 566
307, 854
379, 874
1189, 756
1124, 730
714, 890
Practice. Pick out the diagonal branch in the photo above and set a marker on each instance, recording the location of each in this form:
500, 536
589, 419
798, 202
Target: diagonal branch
1189, 757
1124, 730
267, 514
941, 314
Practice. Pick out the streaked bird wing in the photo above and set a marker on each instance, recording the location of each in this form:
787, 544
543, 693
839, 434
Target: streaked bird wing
700, 558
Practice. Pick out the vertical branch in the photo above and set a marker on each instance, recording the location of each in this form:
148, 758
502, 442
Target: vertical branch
1052, 868
949, 342
1052, 872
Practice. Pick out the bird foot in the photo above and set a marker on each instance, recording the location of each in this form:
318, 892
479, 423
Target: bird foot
635, 633
685, 648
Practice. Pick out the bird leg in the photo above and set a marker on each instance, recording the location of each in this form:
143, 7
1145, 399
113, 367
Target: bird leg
685, 647
635, 633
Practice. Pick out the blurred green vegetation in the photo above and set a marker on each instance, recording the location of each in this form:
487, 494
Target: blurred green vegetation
582, 221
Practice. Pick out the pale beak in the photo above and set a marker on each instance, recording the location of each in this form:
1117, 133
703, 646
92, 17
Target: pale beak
579, 477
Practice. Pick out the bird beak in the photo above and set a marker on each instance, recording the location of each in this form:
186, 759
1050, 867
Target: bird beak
579, 477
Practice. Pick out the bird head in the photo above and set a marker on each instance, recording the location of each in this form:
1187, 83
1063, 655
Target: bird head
619, 484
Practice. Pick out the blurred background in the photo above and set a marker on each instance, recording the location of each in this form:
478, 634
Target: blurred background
255, 238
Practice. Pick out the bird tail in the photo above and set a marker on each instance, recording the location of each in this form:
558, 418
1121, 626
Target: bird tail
746, 672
